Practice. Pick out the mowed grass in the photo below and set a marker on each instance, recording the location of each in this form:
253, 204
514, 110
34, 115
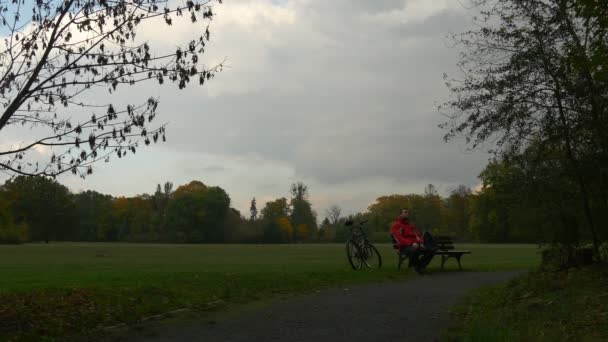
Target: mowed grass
36, 266
60, 289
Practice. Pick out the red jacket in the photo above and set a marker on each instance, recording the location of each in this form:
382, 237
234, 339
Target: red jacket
406, 233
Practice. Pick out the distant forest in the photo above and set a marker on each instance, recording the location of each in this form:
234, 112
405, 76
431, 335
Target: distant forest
506, 209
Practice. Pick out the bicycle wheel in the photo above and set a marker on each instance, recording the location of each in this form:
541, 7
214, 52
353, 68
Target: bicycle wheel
372, 256
354, 257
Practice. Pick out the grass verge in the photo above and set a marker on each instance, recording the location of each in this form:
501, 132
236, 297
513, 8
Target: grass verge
570, 305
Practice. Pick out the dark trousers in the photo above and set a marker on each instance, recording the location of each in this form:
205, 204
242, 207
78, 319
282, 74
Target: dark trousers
420, 258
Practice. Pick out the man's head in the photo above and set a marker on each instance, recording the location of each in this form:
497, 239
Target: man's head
405, 214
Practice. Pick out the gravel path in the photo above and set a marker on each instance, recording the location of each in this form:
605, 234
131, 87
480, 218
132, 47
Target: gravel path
411, 310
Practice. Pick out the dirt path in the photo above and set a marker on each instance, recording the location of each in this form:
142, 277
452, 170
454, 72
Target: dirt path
411, 310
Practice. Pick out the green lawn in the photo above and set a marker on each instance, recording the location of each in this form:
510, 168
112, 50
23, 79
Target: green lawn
75, 287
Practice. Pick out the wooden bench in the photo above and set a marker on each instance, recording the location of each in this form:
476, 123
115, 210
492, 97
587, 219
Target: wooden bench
445, 248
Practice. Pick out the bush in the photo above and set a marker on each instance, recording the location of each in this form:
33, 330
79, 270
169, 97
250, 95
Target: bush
560, 257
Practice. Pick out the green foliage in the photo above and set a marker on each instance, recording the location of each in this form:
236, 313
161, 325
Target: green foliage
534, 85
526, 202
457, 212
539, 306
94, 212
386, 208
196, 213
275, 209
10, 232
44, 205
449, 216
253, 209
303, 218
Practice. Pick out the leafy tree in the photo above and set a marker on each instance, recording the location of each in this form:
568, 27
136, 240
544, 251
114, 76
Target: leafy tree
94, 212
58, 52
303, 232
143, 224
428, 213
276, 209
286, 229
526, 202
161, 200
236, 229
10, 232
254, 210
122, 217
272, 213
301, 212
386, 208
535, 76
457, 211
198, 213
42, 204
327, 231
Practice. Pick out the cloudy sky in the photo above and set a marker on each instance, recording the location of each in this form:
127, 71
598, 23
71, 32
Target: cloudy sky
340, 94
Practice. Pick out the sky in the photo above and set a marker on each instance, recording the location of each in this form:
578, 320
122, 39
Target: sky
341, 95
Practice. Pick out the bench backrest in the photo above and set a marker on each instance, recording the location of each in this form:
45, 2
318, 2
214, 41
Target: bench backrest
444, 243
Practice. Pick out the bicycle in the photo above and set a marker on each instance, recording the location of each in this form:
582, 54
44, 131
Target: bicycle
359, 250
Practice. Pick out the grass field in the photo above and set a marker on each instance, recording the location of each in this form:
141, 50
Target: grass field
73, 288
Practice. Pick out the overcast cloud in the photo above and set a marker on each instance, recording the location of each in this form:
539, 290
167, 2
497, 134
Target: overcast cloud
339, 94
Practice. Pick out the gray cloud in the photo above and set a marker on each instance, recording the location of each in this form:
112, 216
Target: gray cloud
341, 94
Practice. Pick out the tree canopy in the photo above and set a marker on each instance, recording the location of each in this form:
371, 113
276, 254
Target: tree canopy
535, 87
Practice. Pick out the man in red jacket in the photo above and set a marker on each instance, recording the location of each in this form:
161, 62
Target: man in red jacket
411, 242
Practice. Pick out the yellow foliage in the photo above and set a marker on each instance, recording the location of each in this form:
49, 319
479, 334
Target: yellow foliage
286, 228
193, 186
302, 232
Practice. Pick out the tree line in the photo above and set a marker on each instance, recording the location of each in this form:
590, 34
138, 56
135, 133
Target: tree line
42, 209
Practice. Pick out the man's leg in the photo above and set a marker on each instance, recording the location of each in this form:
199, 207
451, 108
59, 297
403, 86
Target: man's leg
425, 259
412, 255
429, 241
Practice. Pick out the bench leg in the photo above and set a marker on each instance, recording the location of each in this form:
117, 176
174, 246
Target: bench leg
443, 259
459, 265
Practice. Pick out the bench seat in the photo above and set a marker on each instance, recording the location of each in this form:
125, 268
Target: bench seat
445, 248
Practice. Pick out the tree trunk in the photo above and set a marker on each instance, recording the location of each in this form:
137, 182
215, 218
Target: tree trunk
576, 169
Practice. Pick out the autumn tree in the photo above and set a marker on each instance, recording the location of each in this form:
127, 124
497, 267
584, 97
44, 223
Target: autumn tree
197, 213
535, 77
275, 209
386, 208
273, 217
58, 58
302, 215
